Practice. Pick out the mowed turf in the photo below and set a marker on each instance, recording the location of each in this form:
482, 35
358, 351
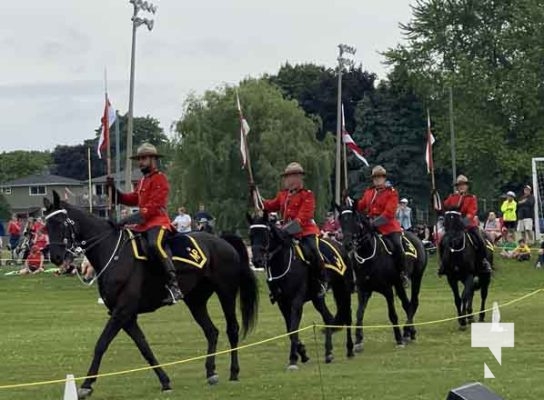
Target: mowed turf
49, 325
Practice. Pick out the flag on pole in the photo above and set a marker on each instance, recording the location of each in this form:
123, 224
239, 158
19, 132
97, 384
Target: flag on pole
349, 142
107, 121
244, 130
430, 142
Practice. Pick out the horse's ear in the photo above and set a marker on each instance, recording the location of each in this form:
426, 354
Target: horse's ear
249, 218
46, 203
56, 199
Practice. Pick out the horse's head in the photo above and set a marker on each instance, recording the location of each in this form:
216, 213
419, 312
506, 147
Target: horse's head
61, 229
349, 223
265, 237
453, 221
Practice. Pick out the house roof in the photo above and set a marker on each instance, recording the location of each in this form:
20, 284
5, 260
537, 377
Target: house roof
136, 176
43, 180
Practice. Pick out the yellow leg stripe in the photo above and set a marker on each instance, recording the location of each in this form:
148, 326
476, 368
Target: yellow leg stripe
160, 237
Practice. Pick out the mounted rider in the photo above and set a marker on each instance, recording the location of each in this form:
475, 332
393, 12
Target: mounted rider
379, 202
152, 219
297, 208
467, 205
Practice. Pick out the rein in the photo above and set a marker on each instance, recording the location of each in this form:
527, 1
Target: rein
463, 246
271, 254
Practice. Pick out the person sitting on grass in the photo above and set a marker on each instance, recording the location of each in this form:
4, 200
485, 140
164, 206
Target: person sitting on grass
508, 247
540, 261
522, 252
34, 262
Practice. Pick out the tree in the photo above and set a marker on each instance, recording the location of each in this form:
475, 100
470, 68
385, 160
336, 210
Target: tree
207, 163
490, 52
315, 88
5, 209
20, 163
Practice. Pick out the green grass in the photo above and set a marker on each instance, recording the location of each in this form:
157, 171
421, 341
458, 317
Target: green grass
48, 328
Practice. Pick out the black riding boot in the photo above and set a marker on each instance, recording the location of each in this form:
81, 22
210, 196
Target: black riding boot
174, 292
400, 257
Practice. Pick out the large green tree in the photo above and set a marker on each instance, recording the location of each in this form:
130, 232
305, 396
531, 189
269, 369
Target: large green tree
490, 52
207, 163
20, 163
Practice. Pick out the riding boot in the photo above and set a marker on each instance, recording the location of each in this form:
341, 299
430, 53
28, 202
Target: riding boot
174, 292
400, 258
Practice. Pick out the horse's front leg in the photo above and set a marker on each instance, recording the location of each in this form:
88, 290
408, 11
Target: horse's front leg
393, 317
136, 334
484, 289
328, 319
292, 314
112, 328
457, 299
363, 297
467, 296
407, 307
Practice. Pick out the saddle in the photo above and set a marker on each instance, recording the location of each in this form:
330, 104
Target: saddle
185, 248
408, 247
330, 255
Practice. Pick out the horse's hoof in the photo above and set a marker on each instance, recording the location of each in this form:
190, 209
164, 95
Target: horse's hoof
83, 393
358, 347
400, 345
462, 328
304, 358
292, 367
350, 354
166, 390
329, 358
213, 380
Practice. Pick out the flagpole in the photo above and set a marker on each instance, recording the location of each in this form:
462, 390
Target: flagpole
117, 159
108, 148
429, 143
90, 179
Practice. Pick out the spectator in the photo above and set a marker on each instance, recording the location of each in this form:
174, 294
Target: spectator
38, 225
492, 228
2, 234
540, 261
14, 232
202, 213
508, 209
34, 262
203, 219
330, 227
522, 252
525, 212
404, 215
41, 239
508, 247
67, 267
183, 221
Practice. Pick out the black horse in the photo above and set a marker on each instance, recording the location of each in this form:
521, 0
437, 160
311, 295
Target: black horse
375, 271
288, 278
130, 285
459, 258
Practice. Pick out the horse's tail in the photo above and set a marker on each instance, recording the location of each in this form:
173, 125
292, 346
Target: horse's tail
249, 290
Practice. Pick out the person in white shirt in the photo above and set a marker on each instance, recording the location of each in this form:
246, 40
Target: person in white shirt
183, 221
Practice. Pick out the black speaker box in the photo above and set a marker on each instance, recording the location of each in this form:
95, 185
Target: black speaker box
472, 391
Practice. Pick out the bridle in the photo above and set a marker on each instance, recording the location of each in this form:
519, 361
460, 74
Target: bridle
78, 248
268, 255
357, 238
453, 250
70, 234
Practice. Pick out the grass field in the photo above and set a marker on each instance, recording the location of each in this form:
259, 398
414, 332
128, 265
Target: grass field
48, 328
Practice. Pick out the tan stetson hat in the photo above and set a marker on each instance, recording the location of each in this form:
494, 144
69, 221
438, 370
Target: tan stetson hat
378, 170
146, 150
462, 179
293, 168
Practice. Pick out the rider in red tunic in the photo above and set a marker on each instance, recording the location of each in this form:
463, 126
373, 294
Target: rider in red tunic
379, 202
297, 207
467, 205
151, 196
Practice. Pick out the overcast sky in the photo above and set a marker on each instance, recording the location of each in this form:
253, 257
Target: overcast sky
54, 53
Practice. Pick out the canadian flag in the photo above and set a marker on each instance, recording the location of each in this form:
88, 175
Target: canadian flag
430, 142
349, 142
107, 120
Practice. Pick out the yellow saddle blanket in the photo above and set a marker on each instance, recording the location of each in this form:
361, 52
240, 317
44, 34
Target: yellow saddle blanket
330, 255
184, 249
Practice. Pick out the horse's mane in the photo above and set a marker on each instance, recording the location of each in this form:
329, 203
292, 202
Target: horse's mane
85, 217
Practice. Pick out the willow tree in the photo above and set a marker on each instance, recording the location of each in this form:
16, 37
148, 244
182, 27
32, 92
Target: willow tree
207, 163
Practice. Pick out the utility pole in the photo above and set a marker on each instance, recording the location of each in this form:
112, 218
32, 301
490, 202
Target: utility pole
136, 22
